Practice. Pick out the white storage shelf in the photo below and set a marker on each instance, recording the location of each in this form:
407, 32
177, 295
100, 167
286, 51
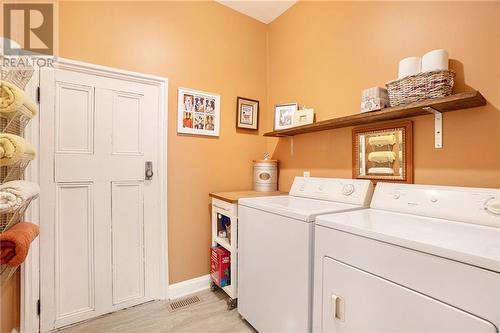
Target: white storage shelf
230, 210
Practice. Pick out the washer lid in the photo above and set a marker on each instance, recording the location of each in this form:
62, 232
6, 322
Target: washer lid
303, 209
469, 243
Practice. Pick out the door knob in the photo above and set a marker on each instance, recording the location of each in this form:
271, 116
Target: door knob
149, 170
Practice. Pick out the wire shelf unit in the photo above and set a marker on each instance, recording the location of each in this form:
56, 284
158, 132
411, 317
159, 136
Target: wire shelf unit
7, 220
16, 170
15, 122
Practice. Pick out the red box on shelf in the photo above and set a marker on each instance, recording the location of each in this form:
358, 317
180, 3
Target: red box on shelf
220, 266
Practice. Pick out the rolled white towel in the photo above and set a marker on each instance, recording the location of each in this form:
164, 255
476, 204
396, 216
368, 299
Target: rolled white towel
22, 190
380, 170
382, 156
9, 202
382, 140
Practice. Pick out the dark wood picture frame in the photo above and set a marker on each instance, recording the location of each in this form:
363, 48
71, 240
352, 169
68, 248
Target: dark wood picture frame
407, 151
255, 104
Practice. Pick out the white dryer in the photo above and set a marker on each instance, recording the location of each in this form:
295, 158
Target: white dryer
275, 249
421, 259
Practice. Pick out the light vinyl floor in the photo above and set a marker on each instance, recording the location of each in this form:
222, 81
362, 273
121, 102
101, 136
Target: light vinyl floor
209, 315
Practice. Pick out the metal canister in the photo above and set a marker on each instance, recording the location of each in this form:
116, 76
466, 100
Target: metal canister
265, 175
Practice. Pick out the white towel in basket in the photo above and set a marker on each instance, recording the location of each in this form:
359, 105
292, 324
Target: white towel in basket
21, 190
9, 202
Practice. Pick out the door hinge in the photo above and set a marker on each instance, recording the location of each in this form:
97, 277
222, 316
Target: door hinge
38, 95
38, 308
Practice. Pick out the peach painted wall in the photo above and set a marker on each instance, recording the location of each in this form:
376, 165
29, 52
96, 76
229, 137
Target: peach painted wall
10, 304
197, 44
200, 45
322, 54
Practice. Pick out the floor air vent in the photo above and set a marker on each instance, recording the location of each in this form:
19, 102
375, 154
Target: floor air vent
183, 303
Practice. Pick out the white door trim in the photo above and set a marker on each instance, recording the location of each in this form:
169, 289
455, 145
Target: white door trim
30, 273
30, 268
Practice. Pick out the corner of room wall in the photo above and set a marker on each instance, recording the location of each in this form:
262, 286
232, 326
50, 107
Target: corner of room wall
323, 53
321, 62
10, 304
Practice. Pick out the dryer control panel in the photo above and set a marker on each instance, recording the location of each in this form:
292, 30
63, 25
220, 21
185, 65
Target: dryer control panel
352, 191
464, 204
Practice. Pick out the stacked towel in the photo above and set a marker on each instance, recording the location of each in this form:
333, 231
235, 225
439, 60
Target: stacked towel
15, 243
16, 193
12, 98
382, 156
13, 148
378, 170
382, 140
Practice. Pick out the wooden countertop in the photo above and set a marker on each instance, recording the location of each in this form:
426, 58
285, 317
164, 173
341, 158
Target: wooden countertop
233, 197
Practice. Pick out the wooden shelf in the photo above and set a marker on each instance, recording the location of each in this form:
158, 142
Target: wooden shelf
445, 104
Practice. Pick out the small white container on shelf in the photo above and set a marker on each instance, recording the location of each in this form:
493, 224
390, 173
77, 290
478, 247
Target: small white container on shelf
373, 99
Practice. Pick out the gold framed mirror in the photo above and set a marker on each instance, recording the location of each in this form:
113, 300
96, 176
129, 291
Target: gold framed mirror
383, 152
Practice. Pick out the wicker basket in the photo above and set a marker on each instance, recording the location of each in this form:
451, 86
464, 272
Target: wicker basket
20, 76
420, 87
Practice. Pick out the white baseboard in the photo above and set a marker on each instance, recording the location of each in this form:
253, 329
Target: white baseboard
187, 287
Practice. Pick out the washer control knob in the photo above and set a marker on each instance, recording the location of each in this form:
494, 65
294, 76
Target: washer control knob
320, 188
492, 205
302, 188
348, 189
396, 196
434, 200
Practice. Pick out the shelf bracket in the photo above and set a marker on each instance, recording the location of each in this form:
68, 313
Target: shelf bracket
291, 146
438, 126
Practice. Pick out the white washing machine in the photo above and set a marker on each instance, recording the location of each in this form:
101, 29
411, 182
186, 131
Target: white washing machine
421, 259
275, 249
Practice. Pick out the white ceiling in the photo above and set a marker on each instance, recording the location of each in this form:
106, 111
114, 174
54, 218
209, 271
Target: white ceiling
263, 10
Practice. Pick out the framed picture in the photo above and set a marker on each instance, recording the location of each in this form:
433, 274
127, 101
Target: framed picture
383, 152
247, 113
283, 115
198, 112
303, 117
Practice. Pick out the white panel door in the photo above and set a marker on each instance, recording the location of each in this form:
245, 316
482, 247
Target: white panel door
100, 218
357, 301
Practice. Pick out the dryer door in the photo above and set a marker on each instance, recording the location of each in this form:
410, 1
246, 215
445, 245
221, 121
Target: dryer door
357, 301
